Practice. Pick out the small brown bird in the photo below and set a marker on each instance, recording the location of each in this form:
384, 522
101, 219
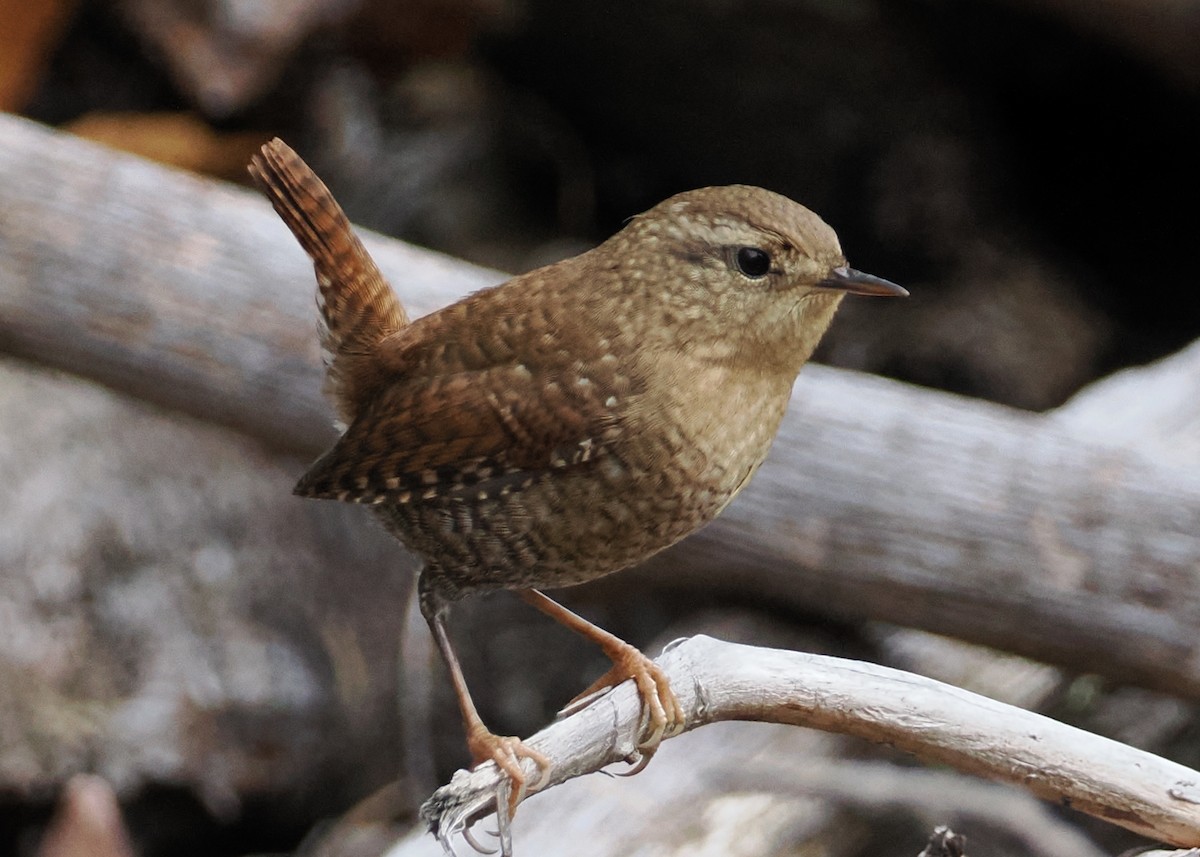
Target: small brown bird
576, 419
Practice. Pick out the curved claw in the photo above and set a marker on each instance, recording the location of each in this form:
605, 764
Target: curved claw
544, 779
474, 843
664, 714
502, 810
659, 726
503, 818
643, 759
676, 716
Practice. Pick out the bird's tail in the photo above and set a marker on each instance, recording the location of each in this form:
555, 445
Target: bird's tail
358, 307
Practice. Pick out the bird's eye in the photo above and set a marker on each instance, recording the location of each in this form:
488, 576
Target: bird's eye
753, 262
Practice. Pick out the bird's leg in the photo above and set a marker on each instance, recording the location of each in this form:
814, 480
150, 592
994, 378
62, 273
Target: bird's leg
663, 712
483, 744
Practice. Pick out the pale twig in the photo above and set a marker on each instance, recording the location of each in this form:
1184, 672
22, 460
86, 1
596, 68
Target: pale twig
717, 681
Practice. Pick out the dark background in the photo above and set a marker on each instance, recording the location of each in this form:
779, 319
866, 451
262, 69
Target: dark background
1028, 175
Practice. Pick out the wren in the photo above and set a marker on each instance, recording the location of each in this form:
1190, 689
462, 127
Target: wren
571, 421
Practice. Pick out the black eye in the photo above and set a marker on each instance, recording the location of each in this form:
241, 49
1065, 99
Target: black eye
753, 262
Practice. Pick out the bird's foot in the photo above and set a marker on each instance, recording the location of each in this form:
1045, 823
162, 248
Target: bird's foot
662, 712
508, 752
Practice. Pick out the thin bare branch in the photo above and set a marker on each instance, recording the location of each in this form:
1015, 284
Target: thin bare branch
938, 723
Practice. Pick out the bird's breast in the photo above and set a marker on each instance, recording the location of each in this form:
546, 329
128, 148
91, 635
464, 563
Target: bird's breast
687, 444
711, 429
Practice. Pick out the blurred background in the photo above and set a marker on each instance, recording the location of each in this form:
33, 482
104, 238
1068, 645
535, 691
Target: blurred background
1027, 170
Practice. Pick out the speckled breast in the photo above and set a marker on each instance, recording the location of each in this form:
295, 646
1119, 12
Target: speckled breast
570, 526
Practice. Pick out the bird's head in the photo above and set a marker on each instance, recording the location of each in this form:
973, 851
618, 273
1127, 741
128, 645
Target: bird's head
742, 274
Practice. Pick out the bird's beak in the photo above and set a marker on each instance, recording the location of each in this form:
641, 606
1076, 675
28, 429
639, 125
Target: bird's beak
846, 279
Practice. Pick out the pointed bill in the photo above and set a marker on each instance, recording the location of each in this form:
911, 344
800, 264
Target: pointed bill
846, 279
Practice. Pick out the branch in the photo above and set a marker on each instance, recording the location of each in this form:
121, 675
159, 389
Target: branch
717, 681
1153, 408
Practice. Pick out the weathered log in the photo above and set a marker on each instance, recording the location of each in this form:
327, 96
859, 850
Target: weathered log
180, 290
172, 616
880, 500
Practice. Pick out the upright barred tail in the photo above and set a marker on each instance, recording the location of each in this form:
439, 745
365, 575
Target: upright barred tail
358, 307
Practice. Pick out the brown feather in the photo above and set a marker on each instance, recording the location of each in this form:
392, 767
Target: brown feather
358, 307
476, 430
